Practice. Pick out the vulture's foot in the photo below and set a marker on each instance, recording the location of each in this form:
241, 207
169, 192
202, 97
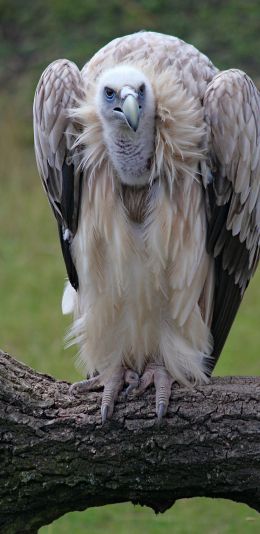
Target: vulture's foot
162, 380
112, 387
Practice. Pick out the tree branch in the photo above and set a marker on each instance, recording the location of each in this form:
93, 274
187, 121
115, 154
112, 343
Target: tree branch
56, 457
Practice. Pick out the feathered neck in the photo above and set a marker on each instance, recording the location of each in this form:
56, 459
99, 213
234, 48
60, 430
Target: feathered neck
178, 135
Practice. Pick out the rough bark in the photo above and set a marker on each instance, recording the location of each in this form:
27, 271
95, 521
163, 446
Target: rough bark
56, 457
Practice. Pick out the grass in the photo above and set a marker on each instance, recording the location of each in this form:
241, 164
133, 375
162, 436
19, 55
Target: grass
186, 517
32, 329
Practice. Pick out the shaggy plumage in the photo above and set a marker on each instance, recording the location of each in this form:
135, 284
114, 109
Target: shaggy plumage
150, 159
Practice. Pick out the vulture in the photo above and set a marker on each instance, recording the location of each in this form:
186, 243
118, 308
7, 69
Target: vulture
150, 158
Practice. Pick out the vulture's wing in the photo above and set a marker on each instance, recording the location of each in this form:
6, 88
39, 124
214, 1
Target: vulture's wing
59, 89
232, 112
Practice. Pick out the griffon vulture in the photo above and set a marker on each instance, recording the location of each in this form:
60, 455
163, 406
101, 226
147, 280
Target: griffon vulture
150, 158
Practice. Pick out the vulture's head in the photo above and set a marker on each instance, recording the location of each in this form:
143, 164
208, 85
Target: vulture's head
144, 123
126, 107
125, 98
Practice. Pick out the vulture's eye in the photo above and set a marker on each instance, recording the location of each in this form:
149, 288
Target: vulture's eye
109, 94
142, 90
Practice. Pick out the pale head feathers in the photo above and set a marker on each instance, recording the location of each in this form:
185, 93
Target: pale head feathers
178, 132
123, 75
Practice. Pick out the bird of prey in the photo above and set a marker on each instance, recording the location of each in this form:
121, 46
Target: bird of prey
150, 158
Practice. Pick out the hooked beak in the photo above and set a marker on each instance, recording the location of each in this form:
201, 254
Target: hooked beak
131, 111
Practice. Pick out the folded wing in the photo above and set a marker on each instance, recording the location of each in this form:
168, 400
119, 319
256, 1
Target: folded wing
60, 88
232, 113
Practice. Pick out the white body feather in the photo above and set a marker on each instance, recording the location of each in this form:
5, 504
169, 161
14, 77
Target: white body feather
136, 301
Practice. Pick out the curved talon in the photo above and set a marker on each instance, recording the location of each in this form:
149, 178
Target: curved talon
78, 387
72, 389
133, 380
161, 412
146, 380
86, 385
162, 380
112, 387
104, 413
129, 389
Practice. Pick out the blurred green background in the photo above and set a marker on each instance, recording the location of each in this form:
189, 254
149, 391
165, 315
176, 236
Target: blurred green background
32, 34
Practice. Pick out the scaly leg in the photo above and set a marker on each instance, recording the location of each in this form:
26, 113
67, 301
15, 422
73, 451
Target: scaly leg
112, 388
161, 378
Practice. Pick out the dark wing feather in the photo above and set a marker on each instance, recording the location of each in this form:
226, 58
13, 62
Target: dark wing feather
60, 88
232, 113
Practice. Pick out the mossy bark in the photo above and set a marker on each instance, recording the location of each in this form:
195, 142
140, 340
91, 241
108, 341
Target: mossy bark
56, 456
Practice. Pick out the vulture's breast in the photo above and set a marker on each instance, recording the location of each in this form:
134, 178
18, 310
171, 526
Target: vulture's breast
137, 256
135, 201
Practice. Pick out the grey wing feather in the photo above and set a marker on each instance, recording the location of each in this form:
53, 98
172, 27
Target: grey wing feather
232, 113
60, 88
